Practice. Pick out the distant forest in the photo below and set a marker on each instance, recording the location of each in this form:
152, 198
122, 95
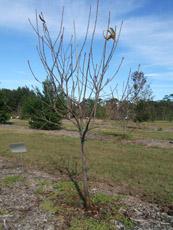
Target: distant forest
19, 103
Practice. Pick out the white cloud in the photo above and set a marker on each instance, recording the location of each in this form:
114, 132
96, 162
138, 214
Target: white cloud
151, 74
149, 38
163, 86
20, 72
161, 76
15, 14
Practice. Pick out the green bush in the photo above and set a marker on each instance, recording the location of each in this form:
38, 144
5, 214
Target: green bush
142, 111
40, 108
4, 115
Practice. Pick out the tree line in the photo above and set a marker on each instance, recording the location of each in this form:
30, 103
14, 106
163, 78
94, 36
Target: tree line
34, 105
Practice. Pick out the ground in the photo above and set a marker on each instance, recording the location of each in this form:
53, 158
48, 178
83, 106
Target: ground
28, 200
33, 199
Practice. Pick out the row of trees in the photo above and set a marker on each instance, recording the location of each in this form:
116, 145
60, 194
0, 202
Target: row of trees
35, 106
11, 102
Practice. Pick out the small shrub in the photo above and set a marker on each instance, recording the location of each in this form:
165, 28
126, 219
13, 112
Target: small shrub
159, 129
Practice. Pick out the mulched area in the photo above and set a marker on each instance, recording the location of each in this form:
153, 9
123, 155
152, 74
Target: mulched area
20, 203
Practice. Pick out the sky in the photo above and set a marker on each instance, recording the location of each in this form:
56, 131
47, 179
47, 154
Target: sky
146, 38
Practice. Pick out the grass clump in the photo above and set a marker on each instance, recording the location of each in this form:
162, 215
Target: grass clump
11, 179
40, 190
103, 198
91, 224
45, 182
49, 206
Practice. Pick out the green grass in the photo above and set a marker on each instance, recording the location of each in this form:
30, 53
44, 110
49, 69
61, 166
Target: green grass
91, 223
70, 127
158, 134
11, 179
49, 206
65, 186
134, 132
102, 198
139, 169
45, 182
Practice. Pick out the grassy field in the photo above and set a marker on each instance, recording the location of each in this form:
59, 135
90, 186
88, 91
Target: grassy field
140, 170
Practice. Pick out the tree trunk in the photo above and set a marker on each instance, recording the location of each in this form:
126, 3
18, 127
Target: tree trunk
85, 180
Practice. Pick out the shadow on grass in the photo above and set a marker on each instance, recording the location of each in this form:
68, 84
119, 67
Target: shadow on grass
114, 134
70, 175
120, 136
9, 123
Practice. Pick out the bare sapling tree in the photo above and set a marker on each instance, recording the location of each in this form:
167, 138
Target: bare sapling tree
79, 78
134, 89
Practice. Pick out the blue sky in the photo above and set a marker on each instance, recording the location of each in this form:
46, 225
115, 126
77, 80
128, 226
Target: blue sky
146, 38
